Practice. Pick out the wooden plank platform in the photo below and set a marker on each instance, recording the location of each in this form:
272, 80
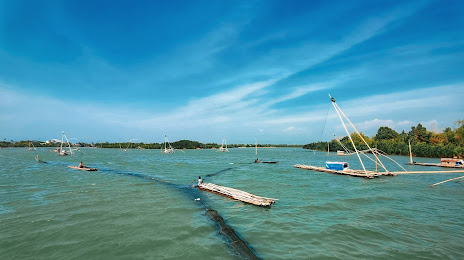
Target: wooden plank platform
349, 172
419, 172
237, 194
436, 165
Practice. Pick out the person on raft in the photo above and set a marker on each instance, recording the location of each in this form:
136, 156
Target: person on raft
81, 165
257, 160
200, 180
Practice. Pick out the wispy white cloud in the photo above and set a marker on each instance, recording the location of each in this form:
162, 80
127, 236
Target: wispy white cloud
298, 92
309, 53
408, 106
373, 125
288, 129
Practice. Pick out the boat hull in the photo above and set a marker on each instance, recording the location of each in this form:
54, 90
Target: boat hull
83, 169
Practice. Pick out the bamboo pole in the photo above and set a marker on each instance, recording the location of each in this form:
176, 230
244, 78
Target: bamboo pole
356, 130
348, 133
410, 153
414, 172
447, 181
237, 194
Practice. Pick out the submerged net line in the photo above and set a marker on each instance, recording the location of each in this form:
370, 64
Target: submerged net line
239, 245
226, 170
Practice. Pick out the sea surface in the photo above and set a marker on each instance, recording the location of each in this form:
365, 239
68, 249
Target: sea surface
140, 204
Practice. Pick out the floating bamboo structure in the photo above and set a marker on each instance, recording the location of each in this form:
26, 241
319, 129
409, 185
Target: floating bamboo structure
354, 173
447, 181
237, 194
436, 165
419, 172
370, 174
349, 172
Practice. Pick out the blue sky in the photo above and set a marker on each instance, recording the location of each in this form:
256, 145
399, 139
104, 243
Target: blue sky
204, 70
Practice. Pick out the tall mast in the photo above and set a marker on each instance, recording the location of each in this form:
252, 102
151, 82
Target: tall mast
62, 135
165, 142
256, 146
410, 153
348, 133
360, 136
69, 145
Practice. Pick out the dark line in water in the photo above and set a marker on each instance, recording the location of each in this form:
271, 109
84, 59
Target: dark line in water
225, 170
219, 172
236, 242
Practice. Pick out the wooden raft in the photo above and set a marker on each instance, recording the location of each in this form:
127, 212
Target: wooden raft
237, 194
436, 165
349, 172
83, 169
419, 172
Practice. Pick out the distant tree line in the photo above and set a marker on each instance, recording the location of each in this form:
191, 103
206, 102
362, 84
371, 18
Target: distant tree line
181, 144
424, 143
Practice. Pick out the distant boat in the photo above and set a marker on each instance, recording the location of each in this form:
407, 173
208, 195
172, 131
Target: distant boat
223, 147
256, 153
167, 146
444, 162
345, 151
128, 146
31, 147
342, 153
38, 160
62, 152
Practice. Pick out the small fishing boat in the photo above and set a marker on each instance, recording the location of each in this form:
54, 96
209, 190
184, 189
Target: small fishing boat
167, 146
223, 147
31, 147
256, 152
38, 160
83, 168
339, 166
62, 152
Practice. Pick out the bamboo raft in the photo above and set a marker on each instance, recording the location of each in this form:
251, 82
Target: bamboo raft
349, 172
453, 179
420, 172
83, 168
436, 165
237, 194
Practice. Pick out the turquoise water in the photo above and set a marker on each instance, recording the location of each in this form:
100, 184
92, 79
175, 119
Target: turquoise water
140, 205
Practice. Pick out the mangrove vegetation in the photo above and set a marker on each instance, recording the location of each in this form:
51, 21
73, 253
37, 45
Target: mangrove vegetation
448, 143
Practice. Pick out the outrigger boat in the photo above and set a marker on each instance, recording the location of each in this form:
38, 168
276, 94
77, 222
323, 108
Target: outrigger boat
62, 152
256, 153
128, 146
83, 168
223, 147
31, 148
167, 146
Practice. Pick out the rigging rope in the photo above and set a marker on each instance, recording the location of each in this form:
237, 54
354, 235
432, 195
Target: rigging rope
325, 123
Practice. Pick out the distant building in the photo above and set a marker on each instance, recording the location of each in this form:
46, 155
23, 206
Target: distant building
53, 141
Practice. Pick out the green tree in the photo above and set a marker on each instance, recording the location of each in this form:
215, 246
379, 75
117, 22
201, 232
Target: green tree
385, 133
